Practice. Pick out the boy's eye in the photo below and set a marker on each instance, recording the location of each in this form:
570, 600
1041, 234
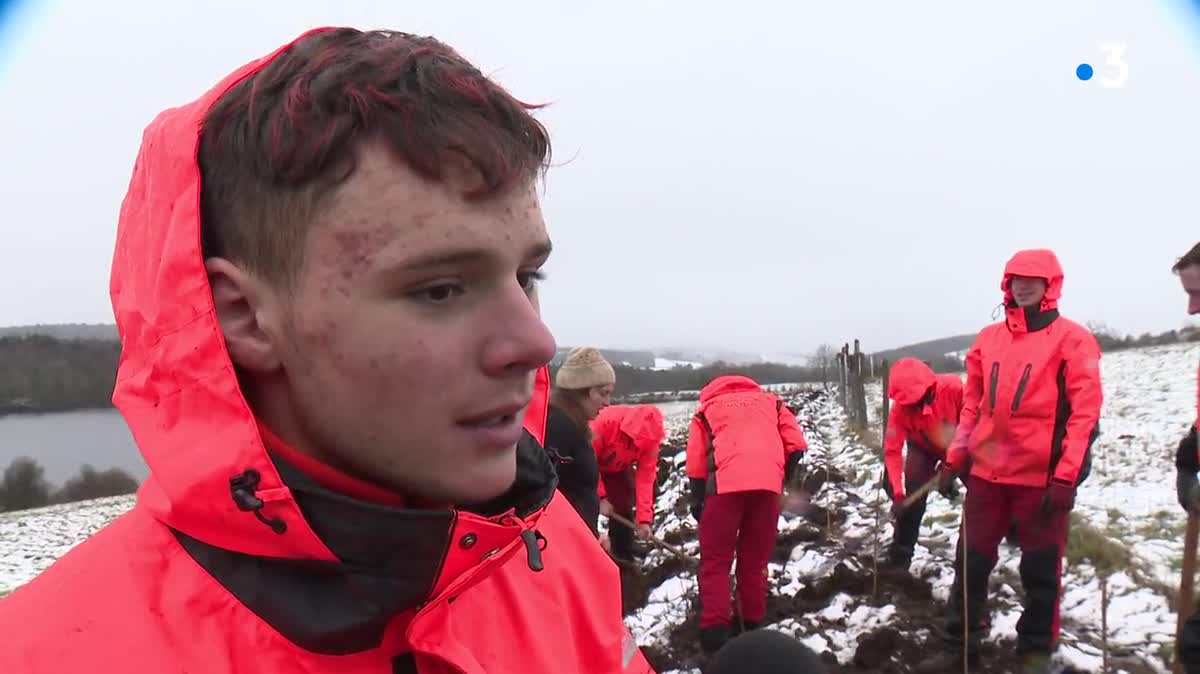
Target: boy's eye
438, 294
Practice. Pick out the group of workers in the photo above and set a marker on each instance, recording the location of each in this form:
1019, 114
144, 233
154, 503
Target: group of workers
743, 443
1019, 435
334, 363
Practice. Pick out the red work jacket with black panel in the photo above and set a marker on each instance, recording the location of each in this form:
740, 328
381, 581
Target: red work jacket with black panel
741, 437
1032, 402
236, 558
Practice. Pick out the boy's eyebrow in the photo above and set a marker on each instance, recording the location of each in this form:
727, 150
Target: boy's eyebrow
453, 256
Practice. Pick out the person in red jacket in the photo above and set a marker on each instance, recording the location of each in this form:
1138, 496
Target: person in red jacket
333, 361
1031, 410
1187, 457
624, 436
924, 416
743, 443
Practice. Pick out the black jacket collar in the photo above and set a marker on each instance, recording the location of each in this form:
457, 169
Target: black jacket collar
389, 559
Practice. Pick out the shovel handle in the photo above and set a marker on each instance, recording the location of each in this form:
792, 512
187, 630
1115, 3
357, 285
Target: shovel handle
1184, 601
919, 493
657, 541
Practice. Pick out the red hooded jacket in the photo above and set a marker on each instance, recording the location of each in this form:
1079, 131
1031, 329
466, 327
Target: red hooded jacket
741, 436
1032, 402
626, 434
234, 561
929, 427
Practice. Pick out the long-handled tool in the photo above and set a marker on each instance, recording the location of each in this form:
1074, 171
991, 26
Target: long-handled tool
919, 493
658, 541
1184, 602
966, 598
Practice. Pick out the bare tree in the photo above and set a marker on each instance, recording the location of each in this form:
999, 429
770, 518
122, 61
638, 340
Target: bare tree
24, 485
90, 484
824, 359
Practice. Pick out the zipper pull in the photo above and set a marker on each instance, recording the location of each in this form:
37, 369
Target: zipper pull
533, 550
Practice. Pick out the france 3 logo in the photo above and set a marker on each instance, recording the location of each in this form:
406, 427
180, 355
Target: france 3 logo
1113, 72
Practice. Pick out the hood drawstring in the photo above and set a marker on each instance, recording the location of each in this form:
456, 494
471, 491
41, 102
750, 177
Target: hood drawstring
535, 542
242, 488
997, 311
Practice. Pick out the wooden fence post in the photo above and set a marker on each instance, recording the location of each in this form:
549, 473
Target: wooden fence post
859, 390
885, 369
844, 375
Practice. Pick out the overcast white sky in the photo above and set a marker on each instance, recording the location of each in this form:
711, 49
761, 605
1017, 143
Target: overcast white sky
745, 174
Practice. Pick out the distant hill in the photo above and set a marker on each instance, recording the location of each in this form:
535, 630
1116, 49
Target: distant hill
629, 357
929, 350
712, 356
106, 331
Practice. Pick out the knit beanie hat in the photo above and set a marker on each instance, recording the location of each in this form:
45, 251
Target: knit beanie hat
583, 368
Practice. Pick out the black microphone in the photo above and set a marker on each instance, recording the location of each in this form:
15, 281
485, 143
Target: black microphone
765, 651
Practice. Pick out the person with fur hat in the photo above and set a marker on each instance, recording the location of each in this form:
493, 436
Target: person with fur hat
924, 416
582, 387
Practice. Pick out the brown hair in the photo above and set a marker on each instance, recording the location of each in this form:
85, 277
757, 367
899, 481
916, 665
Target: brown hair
570, 401
1189, 258
276, 143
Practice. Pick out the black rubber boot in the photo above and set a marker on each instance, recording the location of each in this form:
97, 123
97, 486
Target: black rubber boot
899, 558
713, 638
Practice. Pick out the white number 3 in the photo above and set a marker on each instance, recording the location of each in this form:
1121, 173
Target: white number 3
1116, 70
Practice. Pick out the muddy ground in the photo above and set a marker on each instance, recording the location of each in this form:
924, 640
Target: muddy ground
913, 637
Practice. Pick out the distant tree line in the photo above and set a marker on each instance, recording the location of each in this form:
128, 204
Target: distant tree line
44, 374
24, 485
632, 380
1111, 341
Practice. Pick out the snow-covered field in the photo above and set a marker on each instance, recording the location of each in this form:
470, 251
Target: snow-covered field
824, 589
1149, 403
31, 540
1126, 511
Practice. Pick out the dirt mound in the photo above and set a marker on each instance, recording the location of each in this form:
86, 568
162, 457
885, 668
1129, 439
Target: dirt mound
911, 638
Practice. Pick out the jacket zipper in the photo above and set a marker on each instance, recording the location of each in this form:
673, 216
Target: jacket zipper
992, 387
1021, 386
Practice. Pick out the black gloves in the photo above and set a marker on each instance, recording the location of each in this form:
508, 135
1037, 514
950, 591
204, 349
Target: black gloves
791, 467
699, 486
1186, 458
1187, 464
945, 480
1187, 487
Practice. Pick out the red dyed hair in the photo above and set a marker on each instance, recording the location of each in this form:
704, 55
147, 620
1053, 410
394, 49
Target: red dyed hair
279, 141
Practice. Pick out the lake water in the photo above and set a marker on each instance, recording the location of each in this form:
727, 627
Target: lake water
62, 442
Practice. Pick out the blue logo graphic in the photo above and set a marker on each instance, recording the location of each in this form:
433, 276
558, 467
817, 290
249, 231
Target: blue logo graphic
1084, 72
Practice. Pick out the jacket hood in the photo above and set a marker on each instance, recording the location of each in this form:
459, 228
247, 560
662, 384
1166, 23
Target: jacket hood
1037, 263
176, 386
908, 381
730, 383
643, 423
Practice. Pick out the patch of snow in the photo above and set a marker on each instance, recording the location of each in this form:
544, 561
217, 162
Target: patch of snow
31, 540
1129, 497
669, 364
